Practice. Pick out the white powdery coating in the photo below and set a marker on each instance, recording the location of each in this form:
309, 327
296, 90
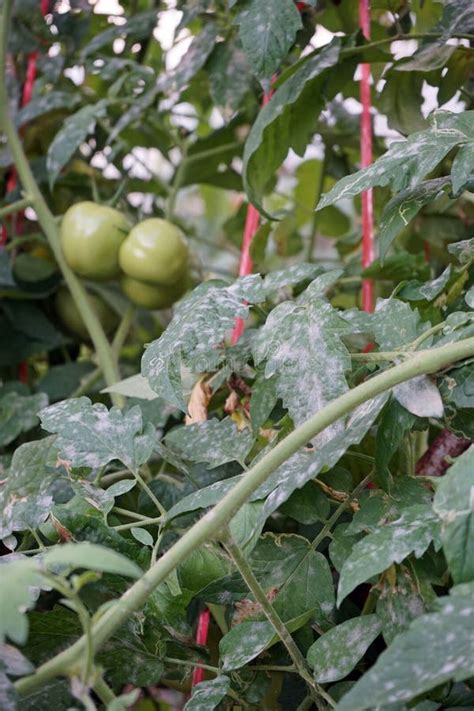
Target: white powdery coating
91, 436
336, 653
406, 670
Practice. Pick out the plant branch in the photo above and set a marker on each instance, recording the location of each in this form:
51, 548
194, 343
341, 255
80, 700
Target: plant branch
275, 620
208, 527
47, 220
339, 511
17, 206
122, 331
138, 524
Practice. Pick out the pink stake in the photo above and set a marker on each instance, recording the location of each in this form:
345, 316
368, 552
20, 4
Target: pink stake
366, 160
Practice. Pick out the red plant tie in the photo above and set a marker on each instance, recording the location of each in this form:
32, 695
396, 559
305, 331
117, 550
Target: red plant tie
201, 638
366, 160
252, 221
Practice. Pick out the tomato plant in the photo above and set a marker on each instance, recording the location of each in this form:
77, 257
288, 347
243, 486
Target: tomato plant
227, 481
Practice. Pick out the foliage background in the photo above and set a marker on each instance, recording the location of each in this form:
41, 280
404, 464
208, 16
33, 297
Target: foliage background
325, 590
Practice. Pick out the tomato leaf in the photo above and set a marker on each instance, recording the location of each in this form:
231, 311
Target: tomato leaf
413, 532
267, 36
287, 120
405, 670
335, 654
207, 695
75, 130
406, 163
454, 505
91, 436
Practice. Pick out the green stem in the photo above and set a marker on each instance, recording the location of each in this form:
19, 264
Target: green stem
123, 330
276, 622
306, 704
175, 187
189, 663
150, 493
380, 356
426, 334
314, 230
87, 382
47, 220
17, 206
138, 524
339, 511
422, 363
104, 692
130, 514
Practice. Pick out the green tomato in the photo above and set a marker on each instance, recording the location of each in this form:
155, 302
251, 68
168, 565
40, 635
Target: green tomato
155, 251
152, 296
91, 236
70, 315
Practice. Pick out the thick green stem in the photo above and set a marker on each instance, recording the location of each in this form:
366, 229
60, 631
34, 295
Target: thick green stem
209, 526
17, 206
275, 620
47, 220
104, 692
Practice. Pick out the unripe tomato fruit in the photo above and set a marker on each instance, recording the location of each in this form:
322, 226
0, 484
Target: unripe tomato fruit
155, 251
71, 317
91, 236
152, 296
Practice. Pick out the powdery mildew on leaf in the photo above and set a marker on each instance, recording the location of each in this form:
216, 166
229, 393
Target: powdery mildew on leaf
213, 441
437, 647
420, 396
301, 345
25, 496
454, 504
407, 162
91, 436
267, 36
334, 655
18, 414
208, 694
304, 466
404, 206
195, 336
411, 533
